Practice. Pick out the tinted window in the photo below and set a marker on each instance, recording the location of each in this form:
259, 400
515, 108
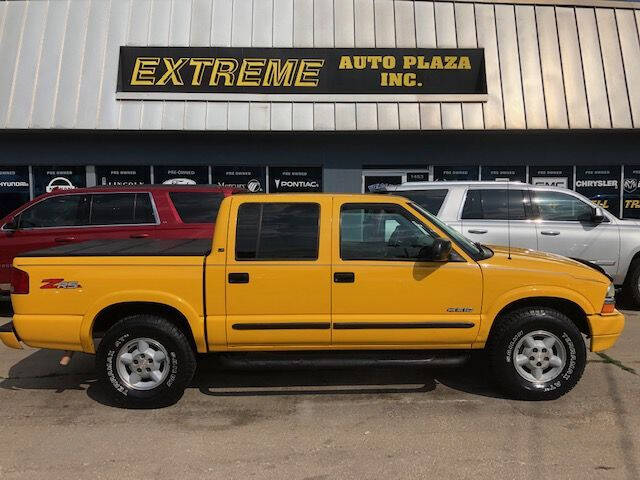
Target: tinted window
58, 211
430, 200
561, 207
491, 204
381, 232
277, 231
196, 207
121, 209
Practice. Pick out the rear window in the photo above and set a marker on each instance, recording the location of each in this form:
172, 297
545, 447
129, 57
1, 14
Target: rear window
430, 200
121, 209
277, 231
197, 207
491, 204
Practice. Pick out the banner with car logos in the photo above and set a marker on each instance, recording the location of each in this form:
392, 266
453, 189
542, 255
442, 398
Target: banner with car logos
441, 173
14, 188
601, 185
48, 179
516, 173
122, 176
552, 176
631, 192
253, 179
181, 175
295, 179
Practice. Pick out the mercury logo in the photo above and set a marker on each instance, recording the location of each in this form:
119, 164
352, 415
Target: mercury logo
253, 185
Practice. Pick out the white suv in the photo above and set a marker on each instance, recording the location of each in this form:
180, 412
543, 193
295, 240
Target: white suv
543, 218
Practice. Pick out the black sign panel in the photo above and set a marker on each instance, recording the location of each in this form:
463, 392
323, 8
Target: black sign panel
295, 179
319, 71
601, 185
251, 178
455, 173
513, 173
552, 176
123, 176
47, 179
631, 193
373, 183
14, 188
417, 176
181, 175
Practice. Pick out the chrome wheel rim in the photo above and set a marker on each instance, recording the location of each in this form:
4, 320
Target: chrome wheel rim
142, 364
539, 356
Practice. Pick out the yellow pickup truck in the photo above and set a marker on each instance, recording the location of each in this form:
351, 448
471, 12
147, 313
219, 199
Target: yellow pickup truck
332, 278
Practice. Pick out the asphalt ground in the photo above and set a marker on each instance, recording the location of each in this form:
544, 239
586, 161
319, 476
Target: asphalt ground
55, 422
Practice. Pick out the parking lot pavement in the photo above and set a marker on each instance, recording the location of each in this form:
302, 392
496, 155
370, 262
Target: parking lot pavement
376, 424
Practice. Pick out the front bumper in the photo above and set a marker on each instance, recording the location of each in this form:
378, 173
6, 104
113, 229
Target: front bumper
9, 337
605, 330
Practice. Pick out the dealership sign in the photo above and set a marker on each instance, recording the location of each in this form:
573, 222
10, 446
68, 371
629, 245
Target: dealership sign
601, 185
122, 176
299, 179
251, 178
304, 74
48, 179
181, 175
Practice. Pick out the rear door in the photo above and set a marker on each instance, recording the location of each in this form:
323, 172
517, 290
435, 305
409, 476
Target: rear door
278, 272
487, 217
120, 215
565, 227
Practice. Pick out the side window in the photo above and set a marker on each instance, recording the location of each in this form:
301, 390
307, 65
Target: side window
491, 204
558, 206
381, 232
194, 207
430, 200
57, 211
121, 209
278, 231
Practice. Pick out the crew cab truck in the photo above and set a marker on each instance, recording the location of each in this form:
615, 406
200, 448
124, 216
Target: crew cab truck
330, 275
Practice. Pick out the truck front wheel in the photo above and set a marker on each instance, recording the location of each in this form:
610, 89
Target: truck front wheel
536, 354
145, 361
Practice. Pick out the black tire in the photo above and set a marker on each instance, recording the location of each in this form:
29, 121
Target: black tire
181, 362
631, 287
514, 326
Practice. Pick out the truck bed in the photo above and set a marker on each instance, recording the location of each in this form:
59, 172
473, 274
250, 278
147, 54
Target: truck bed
138, 247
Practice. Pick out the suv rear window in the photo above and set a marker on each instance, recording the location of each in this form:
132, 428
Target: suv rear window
121, 209
197, 207
278, 231
430, 200
491, 204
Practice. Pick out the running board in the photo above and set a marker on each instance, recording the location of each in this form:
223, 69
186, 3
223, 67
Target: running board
343, 359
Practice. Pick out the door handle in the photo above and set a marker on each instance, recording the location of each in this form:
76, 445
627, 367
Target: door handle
477, 230
344, 277
238, 278
553, 233
65, 239
139, 235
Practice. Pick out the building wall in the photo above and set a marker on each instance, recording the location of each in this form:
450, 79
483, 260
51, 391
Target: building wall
548, 66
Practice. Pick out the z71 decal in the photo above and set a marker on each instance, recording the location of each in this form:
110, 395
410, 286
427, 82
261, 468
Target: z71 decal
50, 283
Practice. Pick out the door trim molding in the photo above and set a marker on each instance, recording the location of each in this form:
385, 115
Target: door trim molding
401, 325
283, 326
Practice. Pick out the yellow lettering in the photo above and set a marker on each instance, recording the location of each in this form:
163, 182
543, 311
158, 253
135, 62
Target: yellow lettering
223, 68
436, 62
279, 74
389, 62
422, 64
345, 63
144, 71
359, 62
451, 63
408, 62
250, 70
374, 61
395, 79
173, 71
308, 73
409, 80
464, 63
198, 72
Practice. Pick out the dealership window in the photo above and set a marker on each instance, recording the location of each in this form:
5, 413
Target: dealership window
491, 204
381, 232
121, 209
194, 207
56, 211
430, 200
277, 231
556, 206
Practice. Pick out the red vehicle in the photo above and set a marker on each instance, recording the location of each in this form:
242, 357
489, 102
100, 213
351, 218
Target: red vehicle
146, 211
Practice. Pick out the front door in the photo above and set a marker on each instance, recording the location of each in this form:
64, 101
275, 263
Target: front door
278, 273
565, 227
383, 296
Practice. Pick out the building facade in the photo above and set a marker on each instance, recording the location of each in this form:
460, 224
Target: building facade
378, 91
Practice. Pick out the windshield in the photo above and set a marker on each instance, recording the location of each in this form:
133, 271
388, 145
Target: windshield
473, 249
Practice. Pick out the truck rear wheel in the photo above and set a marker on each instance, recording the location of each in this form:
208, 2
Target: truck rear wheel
536, 354
145, 361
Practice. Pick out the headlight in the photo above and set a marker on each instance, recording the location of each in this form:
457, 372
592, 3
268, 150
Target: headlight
609, 300
611, 292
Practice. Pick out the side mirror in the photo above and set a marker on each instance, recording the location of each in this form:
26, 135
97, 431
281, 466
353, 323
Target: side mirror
597, 215
10, 225
438, 251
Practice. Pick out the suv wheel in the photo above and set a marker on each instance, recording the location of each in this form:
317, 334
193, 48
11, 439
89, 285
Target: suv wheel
632, 283
536, 354
145, 361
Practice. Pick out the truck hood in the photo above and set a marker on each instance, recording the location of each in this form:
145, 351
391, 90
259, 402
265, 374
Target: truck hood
549, 262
